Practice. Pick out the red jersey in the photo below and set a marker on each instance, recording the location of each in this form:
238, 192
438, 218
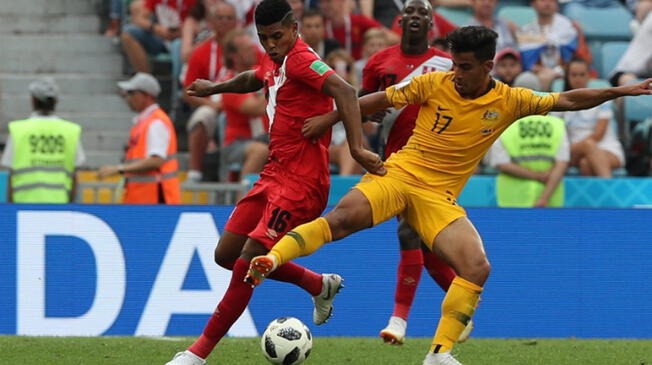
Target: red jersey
294, 94
205, 62
167, 17
351, 34
238, 125
440, 27
391, 66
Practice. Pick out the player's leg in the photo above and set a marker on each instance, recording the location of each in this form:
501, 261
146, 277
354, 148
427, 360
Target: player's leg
460, 245
408, 275
374, 200
234, 302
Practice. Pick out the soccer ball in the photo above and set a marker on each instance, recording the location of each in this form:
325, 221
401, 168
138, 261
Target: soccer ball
286, 341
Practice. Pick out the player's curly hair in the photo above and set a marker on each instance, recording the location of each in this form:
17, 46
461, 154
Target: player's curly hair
477, 39
273, 11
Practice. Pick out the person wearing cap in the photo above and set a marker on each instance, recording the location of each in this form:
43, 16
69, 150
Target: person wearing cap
150, 166
507, 65
531, 156
43, 151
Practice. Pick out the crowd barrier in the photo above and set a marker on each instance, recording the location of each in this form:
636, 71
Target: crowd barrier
148, 270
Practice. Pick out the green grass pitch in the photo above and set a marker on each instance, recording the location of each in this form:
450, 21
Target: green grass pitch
17, 350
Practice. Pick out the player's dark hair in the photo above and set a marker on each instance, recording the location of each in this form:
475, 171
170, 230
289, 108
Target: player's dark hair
477, 39
311, 13
425, 2
46, 106
269, 12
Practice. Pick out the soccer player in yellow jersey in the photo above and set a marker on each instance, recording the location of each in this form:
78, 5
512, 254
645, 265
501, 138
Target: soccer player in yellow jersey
462, 113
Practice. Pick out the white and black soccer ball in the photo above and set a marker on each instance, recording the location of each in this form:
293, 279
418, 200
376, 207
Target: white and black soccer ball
286, 341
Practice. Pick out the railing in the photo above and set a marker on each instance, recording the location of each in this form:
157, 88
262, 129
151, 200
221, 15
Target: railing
191, 193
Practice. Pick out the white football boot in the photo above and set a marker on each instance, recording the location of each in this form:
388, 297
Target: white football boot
331, 285
394, 333
443, 358
186, 358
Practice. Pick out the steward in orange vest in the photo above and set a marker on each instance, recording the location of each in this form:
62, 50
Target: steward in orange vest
151, 165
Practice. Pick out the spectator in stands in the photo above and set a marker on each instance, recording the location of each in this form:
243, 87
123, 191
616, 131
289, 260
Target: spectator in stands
115, 19
507, 65
297, 8
347, 28
484, 13
342, 62
151, 165
550, 41
42, 151
595, 148
531, 157
383, 11
245, 137
196, 28
374, 40
154, 23
440, 25
637, 60
313, 32
206, 62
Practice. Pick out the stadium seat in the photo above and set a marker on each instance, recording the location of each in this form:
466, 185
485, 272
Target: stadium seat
457, 16
638, 108
611, 52
520, 15
602, 23
558, 84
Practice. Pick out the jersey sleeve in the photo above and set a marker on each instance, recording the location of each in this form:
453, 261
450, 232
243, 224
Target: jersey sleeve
370, 79
308, 68
528, 102
415, 91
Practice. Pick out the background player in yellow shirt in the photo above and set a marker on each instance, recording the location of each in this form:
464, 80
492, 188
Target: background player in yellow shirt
462, 113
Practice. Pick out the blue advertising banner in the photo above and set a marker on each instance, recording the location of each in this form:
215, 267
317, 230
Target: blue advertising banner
148, 270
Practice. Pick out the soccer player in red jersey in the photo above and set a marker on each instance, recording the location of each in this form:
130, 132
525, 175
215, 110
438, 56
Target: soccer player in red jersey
294, 184
393, 65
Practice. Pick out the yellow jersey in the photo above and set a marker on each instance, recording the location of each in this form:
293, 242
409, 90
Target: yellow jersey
452, 133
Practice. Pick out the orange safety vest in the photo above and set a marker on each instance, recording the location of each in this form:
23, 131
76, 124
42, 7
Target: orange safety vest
145, 187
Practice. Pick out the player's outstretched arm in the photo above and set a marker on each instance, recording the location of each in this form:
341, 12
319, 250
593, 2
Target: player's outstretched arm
245, 82
372, 103
349, 111
588, 98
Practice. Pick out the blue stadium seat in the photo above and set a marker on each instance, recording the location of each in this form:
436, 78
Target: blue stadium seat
611, 52
558, 84
520, 15
602, 23
457, 16
638, 108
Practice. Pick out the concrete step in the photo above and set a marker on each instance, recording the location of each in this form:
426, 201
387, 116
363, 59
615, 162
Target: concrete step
56, 23
20, 104
75, 84
45, 45
90, 122
11, 62
109, 141
40, 7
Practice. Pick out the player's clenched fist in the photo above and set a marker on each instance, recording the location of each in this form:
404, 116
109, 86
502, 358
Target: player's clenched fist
200, 88
369, 161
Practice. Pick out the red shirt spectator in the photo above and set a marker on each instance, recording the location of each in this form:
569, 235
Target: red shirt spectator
238, 125
351, 33
180, 7
440, 27
205, 62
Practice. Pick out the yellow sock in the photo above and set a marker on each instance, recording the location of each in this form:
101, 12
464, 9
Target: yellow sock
456, 311
302, 241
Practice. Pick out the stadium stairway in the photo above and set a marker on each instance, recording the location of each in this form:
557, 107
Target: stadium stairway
61, 38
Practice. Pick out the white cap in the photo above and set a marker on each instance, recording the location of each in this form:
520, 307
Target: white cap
44, 88
141, 82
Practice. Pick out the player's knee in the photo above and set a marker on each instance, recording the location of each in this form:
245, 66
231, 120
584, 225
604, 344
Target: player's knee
480, 268
408, 238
